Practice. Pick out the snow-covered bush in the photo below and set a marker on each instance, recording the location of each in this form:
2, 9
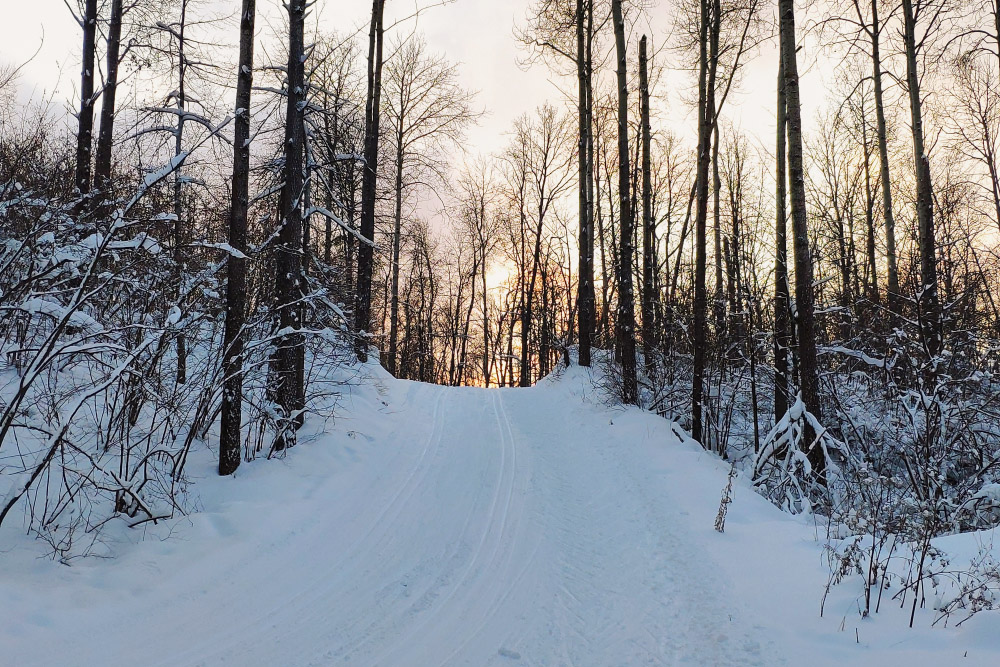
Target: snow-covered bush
923, 436
95, 425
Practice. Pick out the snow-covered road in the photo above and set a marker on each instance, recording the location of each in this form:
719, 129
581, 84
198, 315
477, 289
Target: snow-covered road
454, 526
513, 537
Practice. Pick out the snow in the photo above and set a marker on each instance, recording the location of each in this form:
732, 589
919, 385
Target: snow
224, 247
432, 525
343, 225
55, 310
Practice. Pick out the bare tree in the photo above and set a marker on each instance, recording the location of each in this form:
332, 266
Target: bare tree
551, 27
804, 308
537, 177
428, 111
105, 138
927, 297
479, 225
782, 305
648, 223
625, 315
874, 33
706, 125
236, 280
976, 120
289, 356
85, 115
363, 287
586, 307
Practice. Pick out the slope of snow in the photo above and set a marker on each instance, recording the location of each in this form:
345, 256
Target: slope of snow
431, 525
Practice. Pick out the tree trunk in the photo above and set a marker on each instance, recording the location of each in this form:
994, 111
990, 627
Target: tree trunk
871, 265
782, 307
363, 293
927, 297
648, 230
232, 348
486, 311
392, 364
585, 293
625, 317
105, 138
808, 369
526, 311
178, 181
718, 300
85, 119
468, 322
699, 336
892, 273
288, 253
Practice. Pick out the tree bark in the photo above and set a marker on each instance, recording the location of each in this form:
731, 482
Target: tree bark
706, 122
648, 228
892, 273
585, 293
625, 317
232, 348
105, 138
927, 297
289, 291
808, 369
392, 365
85, 118
178, 181
782, 307
365, 259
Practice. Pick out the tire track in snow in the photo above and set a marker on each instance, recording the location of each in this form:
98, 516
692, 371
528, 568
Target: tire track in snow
482, 578
515, 527
286, 614
501, 586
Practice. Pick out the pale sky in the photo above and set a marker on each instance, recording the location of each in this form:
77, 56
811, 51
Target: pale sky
476, 33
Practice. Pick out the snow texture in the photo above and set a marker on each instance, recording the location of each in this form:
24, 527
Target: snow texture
464, 526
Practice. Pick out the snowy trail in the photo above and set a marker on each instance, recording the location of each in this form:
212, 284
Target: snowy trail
441, 526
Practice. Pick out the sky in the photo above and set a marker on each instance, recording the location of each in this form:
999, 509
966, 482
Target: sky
478, 34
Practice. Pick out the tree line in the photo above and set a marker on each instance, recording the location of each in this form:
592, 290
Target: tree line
817, 306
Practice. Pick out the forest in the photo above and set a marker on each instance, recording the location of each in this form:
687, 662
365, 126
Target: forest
193, 253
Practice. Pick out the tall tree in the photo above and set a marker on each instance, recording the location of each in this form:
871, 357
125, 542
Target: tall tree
892, 277
538, 160
550, 31
105, 137
85, 116
648, 224
236, 270
428, 111
586, 306
927, 298
804, 308
180, 96
625, 315
363, 286
478, 226
706, 123
782, 307
866, 32
289, 355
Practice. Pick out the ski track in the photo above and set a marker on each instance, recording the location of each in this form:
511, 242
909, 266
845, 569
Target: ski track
488, 535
